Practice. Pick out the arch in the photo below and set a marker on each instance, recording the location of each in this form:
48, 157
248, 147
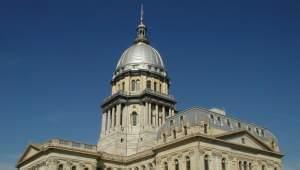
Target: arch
176, 164
188, 163
134, 116
166, 166
206, 162
250, 166
148, 84
60, 167
73, 168
136, 168
263, 167
143, 167
223, 164
133, 85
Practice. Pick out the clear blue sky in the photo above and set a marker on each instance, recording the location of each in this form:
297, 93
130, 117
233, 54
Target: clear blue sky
57, 58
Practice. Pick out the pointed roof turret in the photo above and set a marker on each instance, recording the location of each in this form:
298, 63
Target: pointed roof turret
141, 29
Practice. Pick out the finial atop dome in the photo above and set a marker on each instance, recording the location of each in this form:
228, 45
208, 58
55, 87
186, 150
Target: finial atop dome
141, 29
142, 14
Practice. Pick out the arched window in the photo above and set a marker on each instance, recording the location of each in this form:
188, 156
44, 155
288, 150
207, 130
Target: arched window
181, 119
176, 164
133, 85
223, 164
123, 86
73, 168
60, 167
174, 134
155, 88
138, 85
240, 165
136, 168
206, 162
245, 165
171, 123
148, 84
134, 118
239, 125
143, 167
150, 166
250, 166
160, 88
166, 166
228, 123
263, 167
164, 138
86, 168
205, 128
219, 121
188, 163
185, 130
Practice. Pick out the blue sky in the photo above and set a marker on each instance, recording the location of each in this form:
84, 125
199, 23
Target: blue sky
57, 58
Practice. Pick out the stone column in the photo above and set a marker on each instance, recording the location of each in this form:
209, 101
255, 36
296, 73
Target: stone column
201, 159
194, 159
109, 120
103, 126
163, 114
124, 115
157, 115
146, 122
216, 159
118, 115
113, 116
150, 113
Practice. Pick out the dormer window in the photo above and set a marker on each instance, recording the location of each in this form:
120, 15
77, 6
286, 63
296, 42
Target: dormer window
228, 123
219, 120
243, 140
171, 123
262, 132
239, 125
181, 119
257, 131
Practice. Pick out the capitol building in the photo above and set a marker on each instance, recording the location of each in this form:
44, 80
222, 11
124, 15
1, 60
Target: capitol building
141, 128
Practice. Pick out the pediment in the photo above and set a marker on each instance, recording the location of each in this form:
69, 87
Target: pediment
244, 138
29, 152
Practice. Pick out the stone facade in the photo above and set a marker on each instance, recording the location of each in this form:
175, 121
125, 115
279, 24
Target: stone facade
142, 130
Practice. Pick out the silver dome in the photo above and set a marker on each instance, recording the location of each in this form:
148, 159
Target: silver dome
141, 53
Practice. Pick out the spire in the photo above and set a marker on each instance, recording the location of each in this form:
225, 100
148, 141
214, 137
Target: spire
141, 29
142, 14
